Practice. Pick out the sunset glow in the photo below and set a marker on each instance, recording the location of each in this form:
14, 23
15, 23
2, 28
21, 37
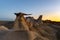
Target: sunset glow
52, 16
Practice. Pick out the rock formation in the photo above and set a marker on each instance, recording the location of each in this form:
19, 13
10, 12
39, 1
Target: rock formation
21, 28
29, 29
40, 19
20, 22
3, 28
42, 29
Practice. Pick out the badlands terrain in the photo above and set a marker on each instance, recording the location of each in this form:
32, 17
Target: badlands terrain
28, 28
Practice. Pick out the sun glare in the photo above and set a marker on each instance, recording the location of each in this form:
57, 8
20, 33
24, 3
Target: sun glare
53, 16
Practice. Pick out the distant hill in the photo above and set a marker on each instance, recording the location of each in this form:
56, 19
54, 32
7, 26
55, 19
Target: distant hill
6, 19
52, 22
8, 24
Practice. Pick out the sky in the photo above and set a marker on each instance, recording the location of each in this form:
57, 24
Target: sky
50, 9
